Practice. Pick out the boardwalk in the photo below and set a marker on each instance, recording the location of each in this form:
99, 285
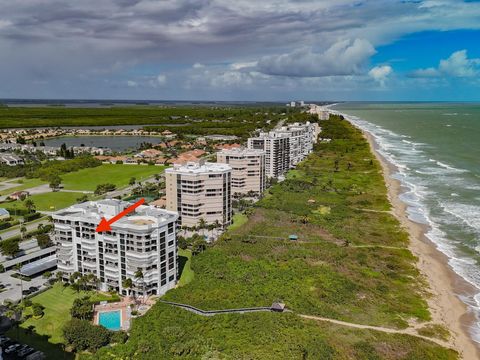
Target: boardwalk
217, 312
411, 331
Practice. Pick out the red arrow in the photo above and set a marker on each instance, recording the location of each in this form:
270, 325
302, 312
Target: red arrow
105, 224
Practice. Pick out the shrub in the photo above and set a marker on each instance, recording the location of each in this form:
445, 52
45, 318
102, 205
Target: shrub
82, 335
37, 309
82, 308
118, 337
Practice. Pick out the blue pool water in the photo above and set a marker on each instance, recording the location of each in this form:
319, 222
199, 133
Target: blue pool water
110, 319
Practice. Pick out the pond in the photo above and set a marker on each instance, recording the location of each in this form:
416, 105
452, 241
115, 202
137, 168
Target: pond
116, 143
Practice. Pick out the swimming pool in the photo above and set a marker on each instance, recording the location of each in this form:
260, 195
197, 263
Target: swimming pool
110, 319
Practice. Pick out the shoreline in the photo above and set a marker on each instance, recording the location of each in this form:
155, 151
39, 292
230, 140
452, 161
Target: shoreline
445, 286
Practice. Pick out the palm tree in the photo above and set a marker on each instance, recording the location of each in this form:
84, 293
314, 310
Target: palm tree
91, 280
139, 277
127, 284
17, 267
30, 205
304, 219
201, 225
23, 230
59, 275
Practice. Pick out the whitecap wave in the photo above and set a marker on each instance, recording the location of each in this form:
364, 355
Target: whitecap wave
417, 172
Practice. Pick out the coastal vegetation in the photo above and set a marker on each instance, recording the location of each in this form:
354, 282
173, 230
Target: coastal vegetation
25, 117
350, 262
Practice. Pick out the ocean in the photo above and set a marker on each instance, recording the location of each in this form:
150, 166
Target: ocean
436, 149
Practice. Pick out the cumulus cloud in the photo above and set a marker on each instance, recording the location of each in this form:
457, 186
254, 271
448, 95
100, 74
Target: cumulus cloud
76, 44
380, 73
161, 79
132, 83
456, 65
345, 57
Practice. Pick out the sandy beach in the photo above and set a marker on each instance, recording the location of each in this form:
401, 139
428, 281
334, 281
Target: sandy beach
444, 285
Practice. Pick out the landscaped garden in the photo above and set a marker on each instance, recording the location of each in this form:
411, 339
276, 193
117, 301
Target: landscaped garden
45, 330
57, 302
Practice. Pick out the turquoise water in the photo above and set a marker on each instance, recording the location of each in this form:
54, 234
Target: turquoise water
110, 319
436, 149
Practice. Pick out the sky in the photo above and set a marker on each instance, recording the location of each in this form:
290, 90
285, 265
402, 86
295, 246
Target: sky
267, 50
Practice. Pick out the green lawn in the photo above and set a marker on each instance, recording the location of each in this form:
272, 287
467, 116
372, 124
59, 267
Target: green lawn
49, 201
23, 184
186, 272
119, 175
57, 301
239, 220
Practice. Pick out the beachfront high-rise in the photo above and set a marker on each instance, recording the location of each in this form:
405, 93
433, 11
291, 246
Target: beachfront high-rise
286, 146
200, 190
277, 152
248, 169
302, 136
145, 240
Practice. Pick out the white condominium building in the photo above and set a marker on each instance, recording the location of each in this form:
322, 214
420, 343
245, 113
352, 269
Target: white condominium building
277, 151
302, 137
143, 241
200, 191
248, 169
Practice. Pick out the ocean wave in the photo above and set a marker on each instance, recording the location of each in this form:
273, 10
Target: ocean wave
450, 114
469, 214
427, 207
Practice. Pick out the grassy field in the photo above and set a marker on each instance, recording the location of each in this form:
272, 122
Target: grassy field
185, 260
23, 184
239, 220
322, 273
57, 301
49, 201
119, 175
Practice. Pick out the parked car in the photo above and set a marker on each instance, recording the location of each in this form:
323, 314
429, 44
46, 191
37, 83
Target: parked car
33, 288
12, 348
25, 351
26, 292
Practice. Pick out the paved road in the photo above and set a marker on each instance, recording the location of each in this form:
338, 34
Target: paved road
16, 229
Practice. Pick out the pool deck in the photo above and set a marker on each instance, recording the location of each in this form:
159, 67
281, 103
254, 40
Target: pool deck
141, 304
123, 306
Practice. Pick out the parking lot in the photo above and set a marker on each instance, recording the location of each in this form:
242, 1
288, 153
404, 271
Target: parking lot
13, 350
13, 287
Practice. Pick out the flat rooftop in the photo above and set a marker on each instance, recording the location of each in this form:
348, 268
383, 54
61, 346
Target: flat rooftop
199, 168
242, 152
93, 211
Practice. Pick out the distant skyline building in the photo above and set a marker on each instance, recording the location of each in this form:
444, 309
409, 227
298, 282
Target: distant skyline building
248, 169
200, 190
143, 241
